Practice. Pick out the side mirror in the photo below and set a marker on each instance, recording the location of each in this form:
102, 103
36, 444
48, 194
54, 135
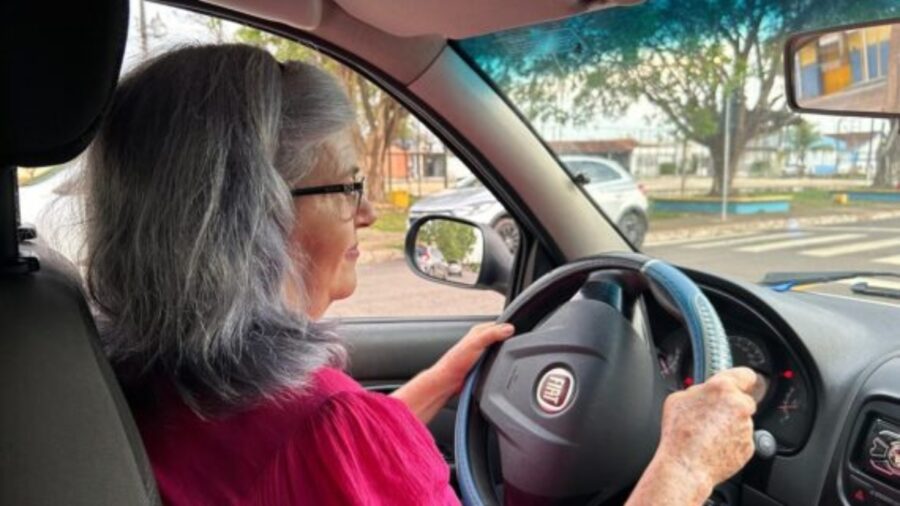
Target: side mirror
458, 252
847, 70
581, 178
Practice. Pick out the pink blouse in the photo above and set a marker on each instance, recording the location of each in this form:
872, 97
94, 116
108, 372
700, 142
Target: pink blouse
333, 444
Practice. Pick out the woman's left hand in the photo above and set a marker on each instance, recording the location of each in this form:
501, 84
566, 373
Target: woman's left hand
429, 391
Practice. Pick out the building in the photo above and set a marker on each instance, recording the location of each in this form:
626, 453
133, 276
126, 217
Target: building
849, 70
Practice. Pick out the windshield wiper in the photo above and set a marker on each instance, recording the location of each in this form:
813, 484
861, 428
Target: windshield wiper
785, 281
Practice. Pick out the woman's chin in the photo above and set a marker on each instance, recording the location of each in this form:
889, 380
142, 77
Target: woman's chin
345, 290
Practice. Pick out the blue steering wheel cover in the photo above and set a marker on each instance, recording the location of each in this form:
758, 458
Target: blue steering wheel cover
464, 473
704, 328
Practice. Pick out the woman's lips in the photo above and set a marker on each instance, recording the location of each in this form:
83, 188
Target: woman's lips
353, 252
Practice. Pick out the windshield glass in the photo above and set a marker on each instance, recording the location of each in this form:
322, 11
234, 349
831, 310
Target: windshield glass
688, 98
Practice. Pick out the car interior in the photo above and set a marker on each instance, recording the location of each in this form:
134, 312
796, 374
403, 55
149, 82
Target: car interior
832, 364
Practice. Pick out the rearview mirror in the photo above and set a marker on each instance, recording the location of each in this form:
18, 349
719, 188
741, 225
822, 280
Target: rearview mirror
458, 252
846, 70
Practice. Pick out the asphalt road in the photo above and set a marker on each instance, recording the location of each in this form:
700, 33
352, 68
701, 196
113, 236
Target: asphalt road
870, 246
390, 289
873, 245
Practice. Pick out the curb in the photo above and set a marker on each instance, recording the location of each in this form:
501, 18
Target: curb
674, 236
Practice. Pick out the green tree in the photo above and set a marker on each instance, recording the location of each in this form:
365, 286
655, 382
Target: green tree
382, 119
689, 60
802, 136
454, 240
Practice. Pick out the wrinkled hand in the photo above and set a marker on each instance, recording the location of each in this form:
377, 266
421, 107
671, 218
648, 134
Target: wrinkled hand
708, 428
453, 367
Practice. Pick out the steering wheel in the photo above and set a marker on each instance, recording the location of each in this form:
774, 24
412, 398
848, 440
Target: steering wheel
570, 408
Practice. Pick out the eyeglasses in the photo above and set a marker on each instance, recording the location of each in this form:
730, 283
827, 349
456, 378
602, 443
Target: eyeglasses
352, 191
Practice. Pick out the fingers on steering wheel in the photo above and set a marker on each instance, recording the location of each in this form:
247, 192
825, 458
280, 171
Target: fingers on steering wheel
742, 377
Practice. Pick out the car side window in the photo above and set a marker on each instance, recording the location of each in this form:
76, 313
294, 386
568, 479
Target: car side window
409, 172
597, 172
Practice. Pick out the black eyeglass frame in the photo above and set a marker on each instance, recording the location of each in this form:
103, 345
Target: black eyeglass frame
357, 187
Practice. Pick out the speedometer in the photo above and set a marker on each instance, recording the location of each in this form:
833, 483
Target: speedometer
676, 361
750, 353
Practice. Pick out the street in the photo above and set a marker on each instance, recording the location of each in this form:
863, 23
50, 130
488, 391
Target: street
872, 245
390, 289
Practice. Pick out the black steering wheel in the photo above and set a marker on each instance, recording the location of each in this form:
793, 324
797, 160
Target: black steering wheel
569, 409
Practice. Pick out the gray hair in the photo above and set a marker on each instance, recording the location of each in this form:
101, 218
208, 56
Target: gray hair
188, 216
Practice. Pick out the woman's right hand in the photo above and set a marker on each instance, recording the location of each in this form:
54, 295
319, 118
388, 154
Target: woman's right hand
707, 436
708, 427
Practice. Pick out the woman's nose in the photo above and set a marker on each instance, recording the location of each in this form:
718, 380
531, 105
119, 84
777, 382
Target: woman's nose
365, 216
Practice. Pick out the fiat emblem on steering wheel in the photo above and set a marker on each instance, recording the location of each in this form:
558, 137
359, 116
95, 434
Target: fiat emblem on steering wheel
555, 390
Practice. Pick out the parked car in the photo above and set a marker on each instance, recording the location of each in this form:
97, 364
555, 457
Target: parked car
609, 184
431, 261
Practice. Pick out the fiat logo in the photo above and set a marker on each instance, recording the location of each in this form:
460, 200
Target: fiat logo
555, 390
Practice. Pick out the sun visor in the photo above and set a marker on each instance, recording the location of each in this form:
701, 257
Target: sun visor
302, 14
459, 19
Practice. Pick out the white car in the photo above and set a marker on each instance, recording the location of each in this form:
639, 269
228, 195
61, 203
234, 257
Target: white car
606, 181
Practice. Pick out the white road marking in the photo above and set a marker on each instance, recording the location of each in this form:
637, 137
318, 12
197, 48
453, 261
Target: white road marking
746, 240
796, 243
857, 247
894, 260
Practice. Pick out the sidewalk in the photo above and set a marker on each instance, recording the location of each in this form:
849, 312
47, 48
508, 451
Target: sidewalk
671, 185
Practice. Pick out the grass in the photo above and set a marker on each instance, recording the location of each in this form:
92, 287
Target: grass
663, 215
390, 219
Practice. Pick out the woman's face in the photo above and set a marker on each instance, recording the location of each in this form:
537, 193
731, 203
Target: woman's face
325, 230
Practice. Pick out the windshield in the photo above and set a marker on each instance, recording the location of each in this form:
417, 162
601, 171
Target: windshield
688, 98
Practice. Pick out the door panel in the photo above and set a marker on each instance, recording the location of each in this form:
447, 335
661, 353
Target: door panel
387, 352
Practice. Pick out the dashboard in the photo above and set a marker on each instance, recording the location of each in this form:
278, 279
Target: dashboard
786, 402
831, 397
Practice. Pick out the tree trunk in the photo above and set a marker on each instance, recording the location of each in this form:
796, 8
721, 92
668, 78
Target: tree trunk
717, 154
888, 157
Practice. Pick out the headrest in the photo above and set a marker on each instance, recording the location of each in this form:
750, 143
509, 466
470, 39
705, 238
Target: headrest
59, 63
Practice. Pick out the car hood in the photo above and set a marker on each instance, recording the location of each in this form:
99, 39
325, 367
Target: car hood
452, 199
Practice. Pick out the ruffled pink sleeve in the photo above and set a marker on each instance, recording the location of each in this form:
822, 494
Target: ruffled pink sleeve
359, 448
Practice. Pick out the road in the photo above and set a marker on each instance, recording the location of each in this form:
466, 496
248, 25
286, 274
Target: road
390, 289
873, 245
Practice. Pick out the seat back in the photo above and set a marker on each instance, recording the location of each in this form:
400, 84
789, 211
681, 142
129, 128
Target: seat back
66, 434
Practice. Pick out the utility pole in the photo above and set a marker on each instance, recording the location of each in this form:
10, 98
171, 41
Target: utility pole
725, 164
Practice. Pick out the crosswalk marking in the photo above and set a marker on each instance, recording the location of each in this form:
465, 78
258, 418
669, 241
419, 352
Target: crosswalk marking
856, 247
745, 240
894, 260
796, 243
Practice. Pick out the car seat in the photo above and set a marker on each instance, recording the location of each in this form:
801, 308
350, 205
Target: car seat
66, 434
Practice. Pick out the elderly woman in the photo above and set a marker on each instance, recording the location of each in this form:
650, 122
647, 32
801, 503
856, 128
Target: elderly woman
223, 204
